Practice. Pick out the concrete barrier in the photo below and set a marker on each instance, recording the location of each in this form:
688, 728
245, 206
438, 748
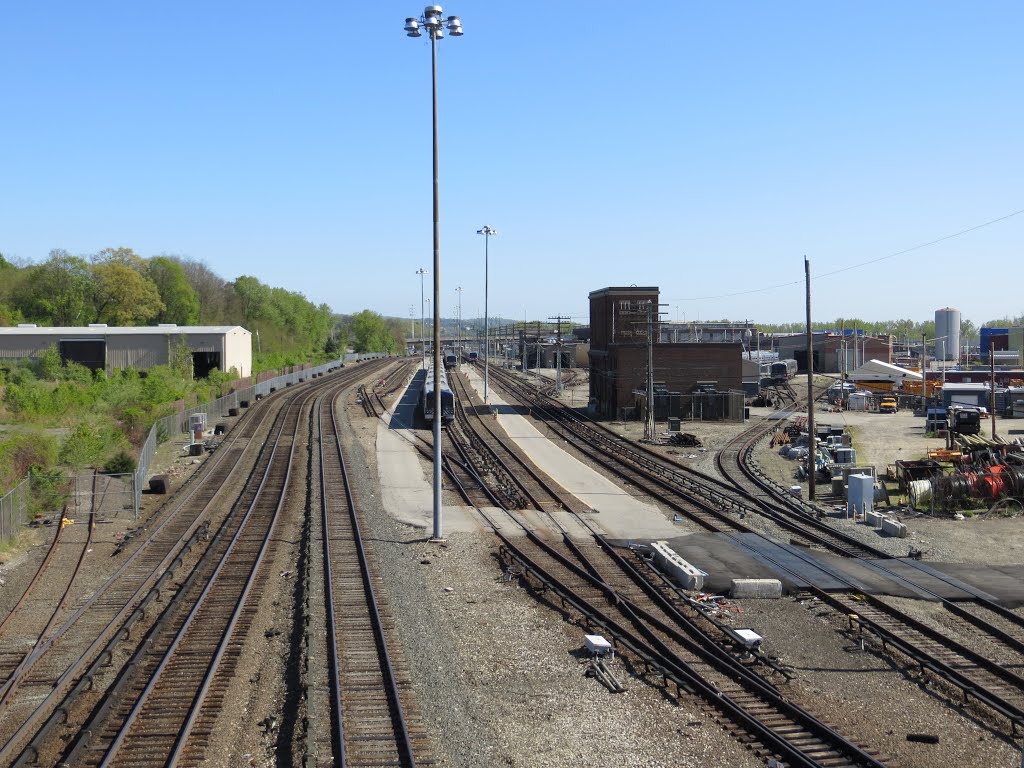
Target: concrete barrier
892, 528
756, 588
875, 519
681, 572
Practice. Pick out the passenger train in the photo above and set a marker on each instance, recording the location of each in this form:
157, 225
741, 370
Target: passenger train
427, 398
783, 370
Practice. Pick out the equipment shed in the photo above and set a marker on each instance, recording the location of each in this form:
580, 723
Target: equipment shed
108, 348
976, 395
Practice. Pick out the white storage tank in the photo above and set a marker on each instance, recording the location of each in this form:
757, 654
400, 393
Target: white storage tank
947, 334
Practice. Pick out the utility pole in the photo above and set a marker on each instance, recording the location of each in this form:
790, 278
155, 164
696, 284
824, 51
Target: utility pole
812, 454
992, 388
924, 374
649, 423
558, 351
458, 354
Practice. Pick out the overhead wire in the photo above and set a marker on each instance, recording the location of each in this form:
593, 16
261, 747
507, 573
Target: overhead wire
919, 246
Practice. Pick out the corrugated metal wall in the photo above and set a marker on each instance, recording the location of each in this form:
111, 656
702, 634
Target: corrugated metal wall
238, 351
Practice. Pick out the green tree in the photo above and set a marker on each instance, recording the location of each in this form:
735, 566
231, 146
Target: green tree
122, 296
211, 291
58, 291
254, 300
181, 305
371, 334
125, 256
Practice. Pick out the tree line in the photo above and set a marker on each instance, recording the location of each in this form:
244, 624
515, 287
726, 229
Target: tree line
118, 287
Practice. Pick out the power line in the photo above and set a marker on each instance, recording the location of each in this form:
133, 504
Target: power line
917, 247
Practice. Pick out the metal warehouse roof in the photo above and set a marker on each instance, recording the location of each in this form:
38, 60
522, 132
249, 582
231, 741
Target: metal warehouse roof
111, 330
879, 369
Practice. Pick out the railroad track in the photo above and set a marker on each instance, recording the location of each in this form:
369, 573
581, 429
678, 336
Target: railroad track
45, 599
987, 622
596, 582
371, 697
162, 711
61, 684
746, 704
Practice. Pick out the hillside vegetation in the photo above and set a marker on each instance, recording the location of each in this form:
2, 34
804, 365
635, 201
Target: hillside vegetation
65, 416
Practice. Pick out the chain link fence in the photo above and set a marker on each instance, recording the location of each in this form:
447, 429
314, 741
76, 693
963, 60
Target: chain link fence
14, 510
14, 505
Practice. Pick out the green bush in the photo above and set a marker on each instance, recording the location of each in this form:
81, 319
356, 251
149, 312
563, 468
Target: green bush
22, 450
48, 364
49, 491
121, 463
90, 444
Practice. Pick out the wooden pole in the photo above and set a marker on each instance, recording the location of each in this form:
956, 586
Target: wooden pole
992, 389
811, 436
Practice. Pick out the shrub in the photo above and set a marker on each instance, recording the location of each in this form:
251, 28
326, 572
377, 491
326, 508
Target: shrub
121, 463
48, 364
49, 491
21, 451
91, 444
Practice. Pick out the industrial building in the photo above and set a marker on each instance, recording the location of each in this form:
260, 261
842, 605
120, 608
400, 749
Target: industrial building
834, 351
691, 380
107, 348
1007, 343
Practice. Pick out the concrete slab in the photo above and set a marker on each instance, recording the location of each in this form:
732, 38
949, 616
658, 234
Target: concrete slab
759, 589
618, 513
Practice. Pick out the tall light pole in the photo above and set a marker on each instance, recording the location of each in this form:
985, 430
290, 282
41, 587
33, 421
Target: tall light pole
486, 232
423, 346
458, 354
432, 21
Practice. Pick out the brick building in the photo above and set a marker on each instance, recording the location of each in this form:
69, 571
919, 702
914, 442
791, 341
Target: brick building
621, 321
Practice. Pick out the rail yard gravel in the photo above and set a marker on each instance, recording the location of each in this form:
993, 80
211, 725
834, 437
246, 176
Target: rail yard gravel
500, 678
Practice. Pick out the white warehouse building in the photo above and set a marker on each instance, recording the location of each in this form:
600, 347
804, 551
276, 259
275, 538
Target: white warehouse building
109, 348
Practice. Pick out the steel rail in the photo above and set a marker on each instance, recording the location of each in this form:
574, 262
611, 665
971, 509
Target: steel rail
646, 623
402, 737
956, 679
213, 583
679, 673
131, 608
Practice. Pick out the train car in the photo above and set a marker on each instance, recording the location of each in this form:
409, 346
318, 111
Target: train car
471, 357
427, 399
783, 370
450, 361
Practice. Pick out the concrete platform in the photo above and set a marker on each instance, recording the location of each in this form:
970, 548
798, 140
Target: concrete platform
406, 488
747, 556
619, 514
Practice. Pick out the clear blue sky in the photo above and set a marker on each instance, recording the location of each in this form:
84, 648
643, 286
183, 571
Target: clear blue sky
701, 147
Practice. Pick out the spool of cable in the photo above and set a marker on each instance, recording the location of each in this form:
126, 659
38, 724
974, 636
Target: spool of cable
920, 492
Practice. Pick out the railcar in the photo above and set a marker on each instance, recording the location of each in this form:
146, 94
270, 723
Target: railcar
427, 398
783, 370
